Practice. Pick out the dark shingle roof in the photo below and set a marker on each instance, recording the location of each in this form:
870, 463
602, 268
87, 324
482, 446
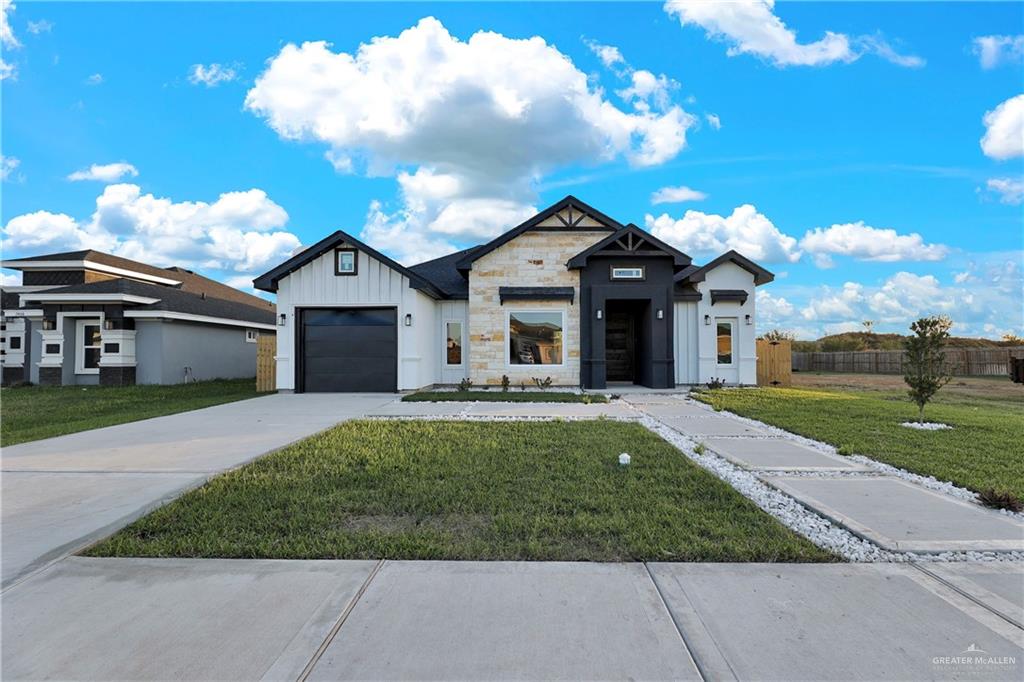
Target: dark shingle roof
8, 300
190, 281
442, 273
172, 299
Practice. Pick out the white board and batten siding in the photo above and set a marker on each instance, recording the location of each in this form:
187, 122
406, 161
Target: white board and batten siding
315, 285
696, 343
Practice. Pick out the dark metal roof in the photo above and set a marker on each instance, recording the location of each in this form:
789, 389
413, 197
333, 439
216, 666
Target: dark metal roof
728, 295
443, 273
268, 281
502, 239
630, 231
761, 276
8, 300
536, 294
171, 299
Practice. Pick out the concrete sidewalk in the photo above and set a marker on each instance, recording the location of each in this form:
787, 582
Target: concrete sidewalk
86, 618
62, 493
891, 512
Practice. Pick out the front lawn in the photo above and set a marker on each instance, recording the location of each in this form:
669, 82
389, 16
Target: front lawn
33, 412
467, 490
505, 397
985, 447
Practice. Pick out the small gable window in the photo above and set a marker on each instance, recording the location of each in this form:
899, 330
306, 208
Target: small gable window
345, 262
636, 273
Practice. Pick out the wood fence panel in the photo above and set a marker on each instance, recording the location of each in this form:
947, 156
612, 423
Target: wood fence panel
266, 363
988, 362
774, 363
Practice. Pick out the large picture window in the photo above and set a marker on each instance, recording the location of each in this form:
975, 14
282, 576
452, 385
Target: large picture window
535, 338
453, 343
725, 350
87, 357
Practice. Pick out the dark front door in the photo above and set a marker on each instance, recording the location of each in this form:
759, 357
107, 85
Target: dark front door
620, 345
349, 350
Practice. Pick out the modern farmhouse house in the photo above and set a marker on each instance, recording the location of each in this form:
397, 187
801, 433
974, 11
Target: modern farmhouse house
86, 317
570, 294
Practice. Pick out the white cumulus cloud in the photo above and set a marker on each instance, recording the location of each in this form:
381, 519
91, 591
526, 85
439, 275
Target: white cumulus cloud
94, 79
240, 232
8, 164
1010, 190
7, 37
996, 50
751, 27
483, 117
212, 75
38, 27
109, 172
745, 230
864, 242
714, 121
609, 55
1004, 130
676, 195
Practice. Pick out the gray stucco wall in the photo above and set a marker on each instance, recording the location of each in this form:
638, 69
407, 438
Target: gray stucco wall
35, 349
164, 349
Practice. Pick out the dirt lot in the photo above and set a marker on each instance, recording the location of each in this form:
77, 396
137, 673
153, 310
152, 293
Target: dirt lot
992, 388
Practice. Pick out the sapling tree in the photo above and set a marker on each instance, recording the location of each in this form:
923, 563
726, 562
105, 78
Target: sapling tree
924, 366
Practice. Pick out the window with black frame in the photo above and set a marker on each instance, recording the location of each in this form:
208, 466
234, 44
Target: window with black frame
535, 337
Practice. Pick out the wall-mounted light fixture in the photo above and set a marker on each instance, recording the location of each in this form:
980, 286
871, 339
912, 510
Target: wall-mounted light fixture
600, 314
660, 314
282, 319
748, 319
108, 323
48, 324
707, 319
408, 319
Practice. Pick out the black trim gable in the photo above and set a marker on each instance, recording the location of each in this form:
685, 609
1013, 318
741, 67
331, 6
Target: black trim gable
629, 233
504, 238
268, 281
761, 276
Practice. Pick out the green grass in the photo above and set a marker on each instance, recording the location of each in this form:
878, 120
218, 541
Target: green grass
467, 490
505, 397
33, 412
985, 448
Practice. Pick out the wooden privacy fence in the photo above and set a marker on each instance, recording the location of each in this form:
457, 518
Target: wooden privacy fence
266, 363
988, 362
774, 363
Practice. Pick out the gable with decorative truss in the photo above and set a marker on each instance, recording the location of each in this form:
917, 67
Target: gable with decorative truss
630, 241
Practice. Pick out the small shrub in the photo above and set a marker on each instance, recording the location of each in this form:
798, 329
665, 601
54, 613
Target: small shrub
522, 386
543, 384
505, 383
587, 399
925, 369
700, 449
995, 498
715, 383
465, 384
844, 451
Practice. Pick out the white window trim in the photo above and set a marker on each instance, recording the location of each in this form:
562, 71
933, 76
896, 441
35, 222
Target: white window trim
639, 268
444, 343
508, 336
733, 326
251, 335
80, 325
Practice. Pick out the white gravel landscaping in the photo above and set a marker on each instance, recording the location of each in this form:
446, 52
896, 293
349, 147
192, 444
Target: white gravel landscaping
926, 426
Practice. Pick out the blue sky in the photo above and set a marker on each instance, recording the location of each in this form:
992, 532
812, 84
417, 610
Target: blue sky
840, 145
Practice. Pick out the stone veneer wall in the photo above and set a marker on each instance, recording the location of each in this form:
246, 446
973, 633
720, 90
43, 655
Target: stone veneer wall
531, 259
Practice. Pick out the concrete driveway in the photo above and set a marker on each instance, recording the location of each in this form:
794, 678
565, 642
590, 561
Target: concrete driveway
63, 493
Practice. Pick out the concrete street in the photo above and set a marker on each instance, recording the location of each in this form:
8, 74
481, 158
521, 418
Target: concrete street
61, 494
86, 618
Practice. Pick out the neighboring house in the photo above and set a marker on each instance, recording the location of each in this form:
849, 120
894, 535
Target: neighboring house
570, 294
86, 317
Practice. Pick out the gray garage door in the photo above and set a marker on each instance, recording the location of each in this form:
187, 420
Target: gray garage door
349, 350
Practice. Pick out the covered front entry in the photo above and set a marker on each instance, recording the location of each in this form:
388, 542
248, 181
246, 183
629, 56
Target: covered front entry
623, 344
347, 350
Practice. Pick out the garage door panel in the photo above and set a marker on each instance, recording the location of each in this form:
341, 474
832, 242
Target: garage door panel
353, 349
